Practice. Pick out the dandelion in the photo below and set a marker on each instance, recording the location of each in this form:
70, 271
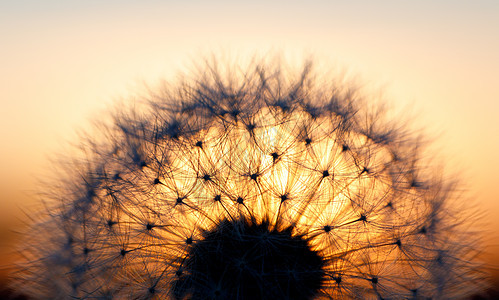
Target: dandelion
250, 184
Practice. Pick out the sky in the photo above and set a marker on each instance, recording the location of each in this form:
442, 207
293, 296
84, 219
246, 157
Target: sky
63, 63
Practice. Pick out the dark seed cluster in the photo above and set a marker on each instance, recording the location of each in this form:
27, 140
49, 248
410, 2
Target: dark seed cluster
253, 184
242, 260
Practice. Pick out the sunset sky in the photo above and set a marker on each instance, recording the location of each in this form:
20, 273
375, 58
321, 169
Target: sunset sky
63, 62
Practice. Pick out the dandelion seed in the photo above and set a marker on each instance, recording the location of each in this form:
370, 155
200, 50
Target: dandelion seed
250, 184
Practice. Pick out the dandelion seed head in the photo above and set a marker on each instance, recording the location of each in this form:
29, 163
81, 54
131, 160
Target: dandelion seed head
250, 183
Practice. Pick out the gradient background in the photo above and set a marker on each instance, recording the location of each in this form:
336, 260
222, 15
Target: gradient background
63, 62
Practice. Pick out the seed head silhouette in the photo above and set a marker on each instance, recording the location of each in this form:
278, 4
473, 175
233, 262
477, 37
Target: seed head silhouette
250, 183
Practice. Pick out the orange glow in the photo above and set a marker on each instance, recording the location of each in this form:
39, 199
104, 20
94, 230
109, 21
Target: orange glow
63, 64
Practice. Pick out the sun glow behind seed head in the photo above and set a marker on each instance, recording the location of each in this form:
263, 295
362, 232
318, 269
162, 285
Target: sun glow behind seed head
275, 188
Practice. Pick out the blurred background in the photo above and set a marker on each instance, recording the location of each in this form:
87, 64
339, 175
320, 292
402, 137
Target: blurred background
62, 63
